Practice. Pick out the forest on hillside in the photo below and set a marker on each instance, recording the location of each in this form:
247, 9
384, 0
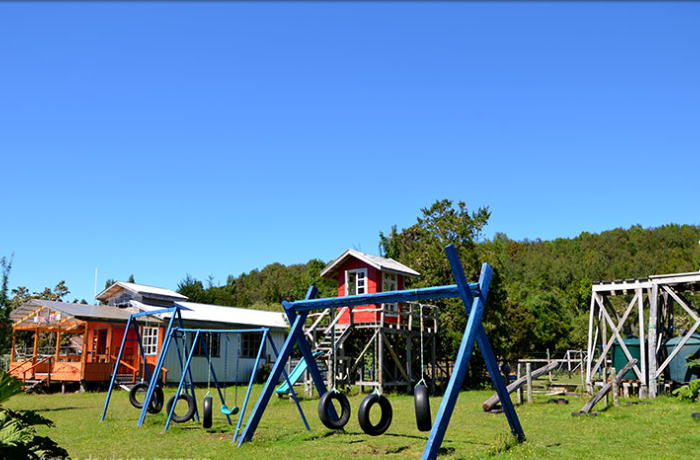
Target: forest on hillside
540, 293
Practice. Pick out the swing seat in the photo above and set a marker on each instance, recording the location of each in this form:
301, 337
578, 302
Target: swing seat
232, 411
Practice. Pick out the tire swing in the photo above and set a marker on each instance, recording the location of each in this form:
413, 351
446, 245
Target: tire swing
224, 408
156, 401
191, 404
325, 403
156, 404
372, 399
208, 400
421, 393
363, 414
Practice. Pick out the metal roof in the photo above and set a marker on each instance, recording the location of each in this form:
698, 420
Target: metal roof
380, 263
223, 315
140, 289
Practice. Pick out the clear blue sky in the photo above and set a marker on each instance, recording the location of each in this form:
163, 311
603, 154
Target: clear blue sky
160, 139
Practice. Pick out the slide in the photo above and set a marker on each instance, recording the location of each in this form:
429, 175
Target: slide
295, 375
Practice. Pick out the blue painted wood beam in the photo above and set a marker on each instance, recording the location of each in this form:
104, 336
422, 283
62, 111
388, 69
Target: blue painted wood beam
275, 374
438, 292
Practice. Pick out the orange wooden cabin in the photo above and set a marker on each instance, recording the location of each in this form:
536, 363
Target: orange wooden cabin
96, 331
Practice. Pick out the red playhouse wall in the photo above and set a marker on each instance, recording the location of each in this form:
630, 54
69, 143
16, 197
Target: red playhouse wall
374, 285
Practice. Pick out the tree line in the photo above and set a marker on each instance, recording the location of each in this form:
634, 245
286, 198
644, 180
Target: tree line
540, 292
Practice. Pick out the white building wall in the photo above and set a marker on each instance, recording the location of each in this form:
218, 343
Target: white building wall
224, 372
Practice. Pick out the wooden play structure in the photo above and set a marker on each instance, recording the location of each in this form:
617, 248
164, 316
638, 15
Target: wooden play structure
374, 344
649, 319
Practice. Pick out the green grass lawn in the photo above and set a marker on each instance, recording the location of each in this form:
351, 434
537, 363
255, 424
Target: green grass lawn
662, 429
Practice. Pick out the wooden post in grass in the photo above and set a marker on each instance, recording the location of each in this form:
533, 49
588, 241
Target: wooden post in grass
615, 388
550, 372
583, 378
605, 382
520, 390
528, 373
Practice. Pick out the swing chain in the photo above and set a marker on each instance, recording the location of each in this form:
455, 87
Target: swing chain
422, 351
209, 351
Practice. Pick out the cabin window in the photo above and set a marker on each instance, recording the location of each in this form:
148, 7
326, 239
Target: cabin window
212, 346
356, 282
250, 344
149, 336
389, 284
121, 300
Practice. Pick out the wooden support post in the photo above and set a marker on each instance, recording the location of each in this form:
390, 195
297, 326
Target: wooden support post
520, 390
583, 378
36, 345
549, 361
490, 403
12, 352
110, 335
83, 357
615, 388
58, 350
626, 390
528, 374
605, 382
409, 358
653, 323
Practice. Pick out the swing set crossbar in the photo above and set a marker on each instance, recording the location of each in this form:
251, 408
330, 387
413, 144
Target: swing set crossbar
410, 295
221, 331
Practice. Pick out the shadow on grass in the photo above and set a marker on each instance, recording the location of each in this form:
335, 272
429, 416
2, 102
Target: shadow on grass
56, 409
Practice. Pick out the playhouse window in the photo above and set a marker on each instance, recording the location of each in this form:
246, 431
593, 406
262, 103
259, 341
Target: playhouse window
356, 282
213, 346
250, 344
389, 284
149, 336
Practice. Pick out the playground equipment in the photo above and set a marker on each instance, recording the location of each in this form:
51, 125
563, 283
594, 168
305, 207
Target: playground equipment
199, 337
224, 408
150, 383
296, 374
474, 298
420, 391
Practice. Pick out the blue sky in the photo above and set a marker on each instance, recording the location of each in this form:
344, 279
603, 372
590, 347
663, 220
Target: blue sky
160, 139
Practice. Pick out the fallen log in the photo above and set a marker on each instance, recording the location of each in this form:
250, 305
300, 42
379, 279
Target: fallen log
490, 403
606, 388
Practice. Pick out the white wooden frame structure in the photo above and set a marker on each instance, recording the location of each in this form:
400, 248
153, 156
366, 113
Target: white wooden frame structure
658, 295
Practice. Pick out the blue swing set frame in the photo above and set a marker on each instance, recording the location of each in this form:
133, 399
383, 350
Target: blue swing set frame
152, 382
474, 298
199, 336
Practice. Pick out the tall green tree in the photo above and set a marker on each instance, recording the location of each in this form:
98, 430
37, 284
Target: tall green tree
5, 304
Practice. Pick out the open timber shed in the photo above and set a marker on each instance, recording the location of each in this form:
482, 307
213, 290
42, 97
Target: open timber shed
658, 313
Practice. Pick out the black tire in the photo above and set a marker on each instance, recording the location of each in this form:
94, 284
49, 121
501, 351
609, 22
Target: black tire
156, 401
325, 404
138, 388
207, 412
190, 408
421, 399
363, 414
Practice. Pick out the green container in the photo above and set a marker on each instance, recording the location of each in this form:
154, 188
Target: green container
620, 359
677, 367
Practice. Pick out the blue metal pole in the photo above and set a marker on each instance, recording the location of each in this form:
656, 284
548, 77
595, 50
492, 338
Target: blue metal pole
116, 367
182, 380
159, 365
211, 368
272, 380
250, 385
437, 434
291, 389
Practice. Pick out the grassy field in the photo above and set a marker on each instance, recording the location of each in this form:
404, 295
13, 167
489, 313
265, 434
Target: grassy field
662, 429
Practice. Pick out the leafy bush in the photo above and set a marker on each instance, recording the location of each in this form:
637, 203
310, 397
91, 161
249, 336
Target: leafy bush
18, 438
691, 391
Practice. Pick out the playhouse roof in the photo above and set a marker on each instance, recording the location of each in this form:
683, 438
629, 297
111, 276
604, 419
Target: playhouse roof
148, 291
225, 315
380, 263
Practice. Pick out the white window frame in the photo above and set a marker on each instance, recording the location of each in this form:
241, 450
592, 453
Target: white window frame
355, 272
391, 309
149, 338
